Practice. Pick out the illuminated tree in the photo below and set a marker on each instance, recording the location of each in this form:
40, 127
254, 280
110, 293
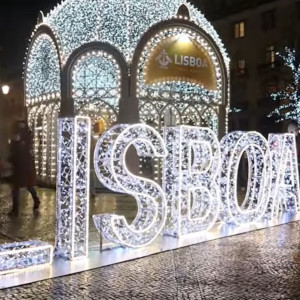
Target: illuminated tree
288, 97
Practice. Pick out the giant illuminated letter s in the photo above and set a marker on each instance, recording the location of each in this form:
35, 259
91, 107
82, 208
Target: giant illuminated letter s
111, 169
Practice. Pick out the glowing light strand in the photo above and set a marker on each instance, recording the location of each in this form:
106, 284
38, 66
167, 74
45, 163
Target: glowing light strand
150, 198
189, 181
23, 255
233, 146
73, 187
285, 177
289, 95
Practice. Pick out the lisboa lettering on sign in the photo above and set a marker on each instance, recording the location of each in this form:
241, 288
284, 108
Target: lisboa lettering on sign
180, 58
199, 184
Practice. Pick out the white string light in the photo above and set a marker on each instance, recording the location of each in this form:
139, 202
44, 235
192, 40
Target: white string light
151, 215
24, 255
285, 177
73, 185
233, 146
189, 181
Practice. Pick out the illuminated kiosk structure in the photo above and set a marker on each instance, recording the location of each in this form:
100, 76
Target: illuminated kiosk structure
156, 62
158, 84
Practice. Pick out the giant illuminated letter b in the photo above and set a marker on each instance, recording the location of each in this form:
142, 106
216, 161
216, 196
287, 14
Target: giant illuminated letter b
189, 182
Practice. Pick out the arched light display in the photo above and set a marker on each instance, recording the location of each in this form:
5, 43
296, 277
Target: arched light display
95, 80
42, 72
77, 22
180, 91
43, 98
95, 77
151, 215
96, 87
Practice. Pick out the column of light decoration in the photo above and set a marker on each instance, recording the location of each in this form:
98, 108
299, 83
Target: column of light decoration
46, 137
189, 181
73, 187
233, 146
31, 117
38, 140
111, 169
285, 177
53, 148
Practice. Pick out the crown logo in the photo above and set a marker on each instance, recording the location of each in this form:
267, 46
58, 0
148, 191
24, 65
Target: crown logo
163, 59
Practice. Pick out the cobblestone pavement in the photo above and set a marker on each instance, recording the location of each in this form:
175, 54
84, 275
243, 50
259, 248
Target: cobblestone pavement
41, 224
260, 265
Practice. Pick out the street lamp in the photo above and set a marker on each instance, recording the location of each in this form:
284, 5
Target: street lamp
5, 89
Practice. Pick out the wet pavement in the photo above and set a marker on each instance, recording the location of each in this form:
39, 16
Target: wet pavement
259, 265
41, 224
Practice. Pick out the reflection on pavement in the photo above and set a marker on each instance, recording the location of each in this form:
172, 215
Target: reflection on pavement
41, 224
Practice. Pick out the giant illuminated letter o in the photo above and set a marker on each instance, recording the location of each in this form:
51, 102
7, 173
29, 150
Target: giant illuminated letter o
254, 205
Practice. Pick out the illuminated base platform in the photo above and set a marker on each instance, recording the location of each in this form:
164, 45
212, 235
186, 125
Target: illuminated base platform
112, 254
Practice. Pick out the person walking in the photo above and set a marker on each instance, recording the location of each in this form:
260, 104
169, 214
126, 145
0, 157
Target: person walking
23, 170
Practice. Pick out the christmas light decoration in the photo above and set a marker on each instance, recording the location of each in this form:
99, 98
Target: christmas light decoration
189, 181
43, 72
233, 146
24, 255
180, 96
288, 98
95, 80
73, 187
76, 23
151, 215
199, 179
285, 178
42, 98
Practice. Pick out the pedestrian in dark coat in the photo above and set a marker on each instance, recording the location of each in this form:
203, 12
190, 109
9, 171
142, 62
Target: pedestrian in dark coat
22, 161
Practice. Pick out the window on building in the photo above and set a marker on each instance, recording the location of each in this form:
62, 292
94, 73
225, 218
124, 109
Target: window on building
268, 19
270, 56
241, 67
239, 29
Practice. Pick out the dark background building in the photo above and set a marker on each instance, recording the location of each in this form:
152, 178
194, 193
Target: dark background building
253, 31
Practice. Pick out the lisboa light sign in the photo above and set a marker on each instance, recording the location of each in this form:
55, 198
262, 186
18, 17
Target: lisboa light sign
199, 184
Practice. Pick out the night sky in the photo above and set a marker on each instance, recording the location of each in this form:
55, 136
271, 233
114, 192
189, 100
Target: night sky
17, 21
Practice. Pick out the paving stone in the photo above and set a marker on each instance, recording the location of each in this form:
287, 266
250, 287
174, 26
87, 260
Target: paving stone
260, 265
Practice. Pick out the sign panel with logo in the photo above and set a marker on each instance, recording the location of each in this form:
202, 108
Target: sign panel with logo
180, 58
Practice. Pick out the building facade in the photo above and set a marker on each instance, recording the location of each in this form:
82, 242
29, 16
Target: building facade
253, 32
